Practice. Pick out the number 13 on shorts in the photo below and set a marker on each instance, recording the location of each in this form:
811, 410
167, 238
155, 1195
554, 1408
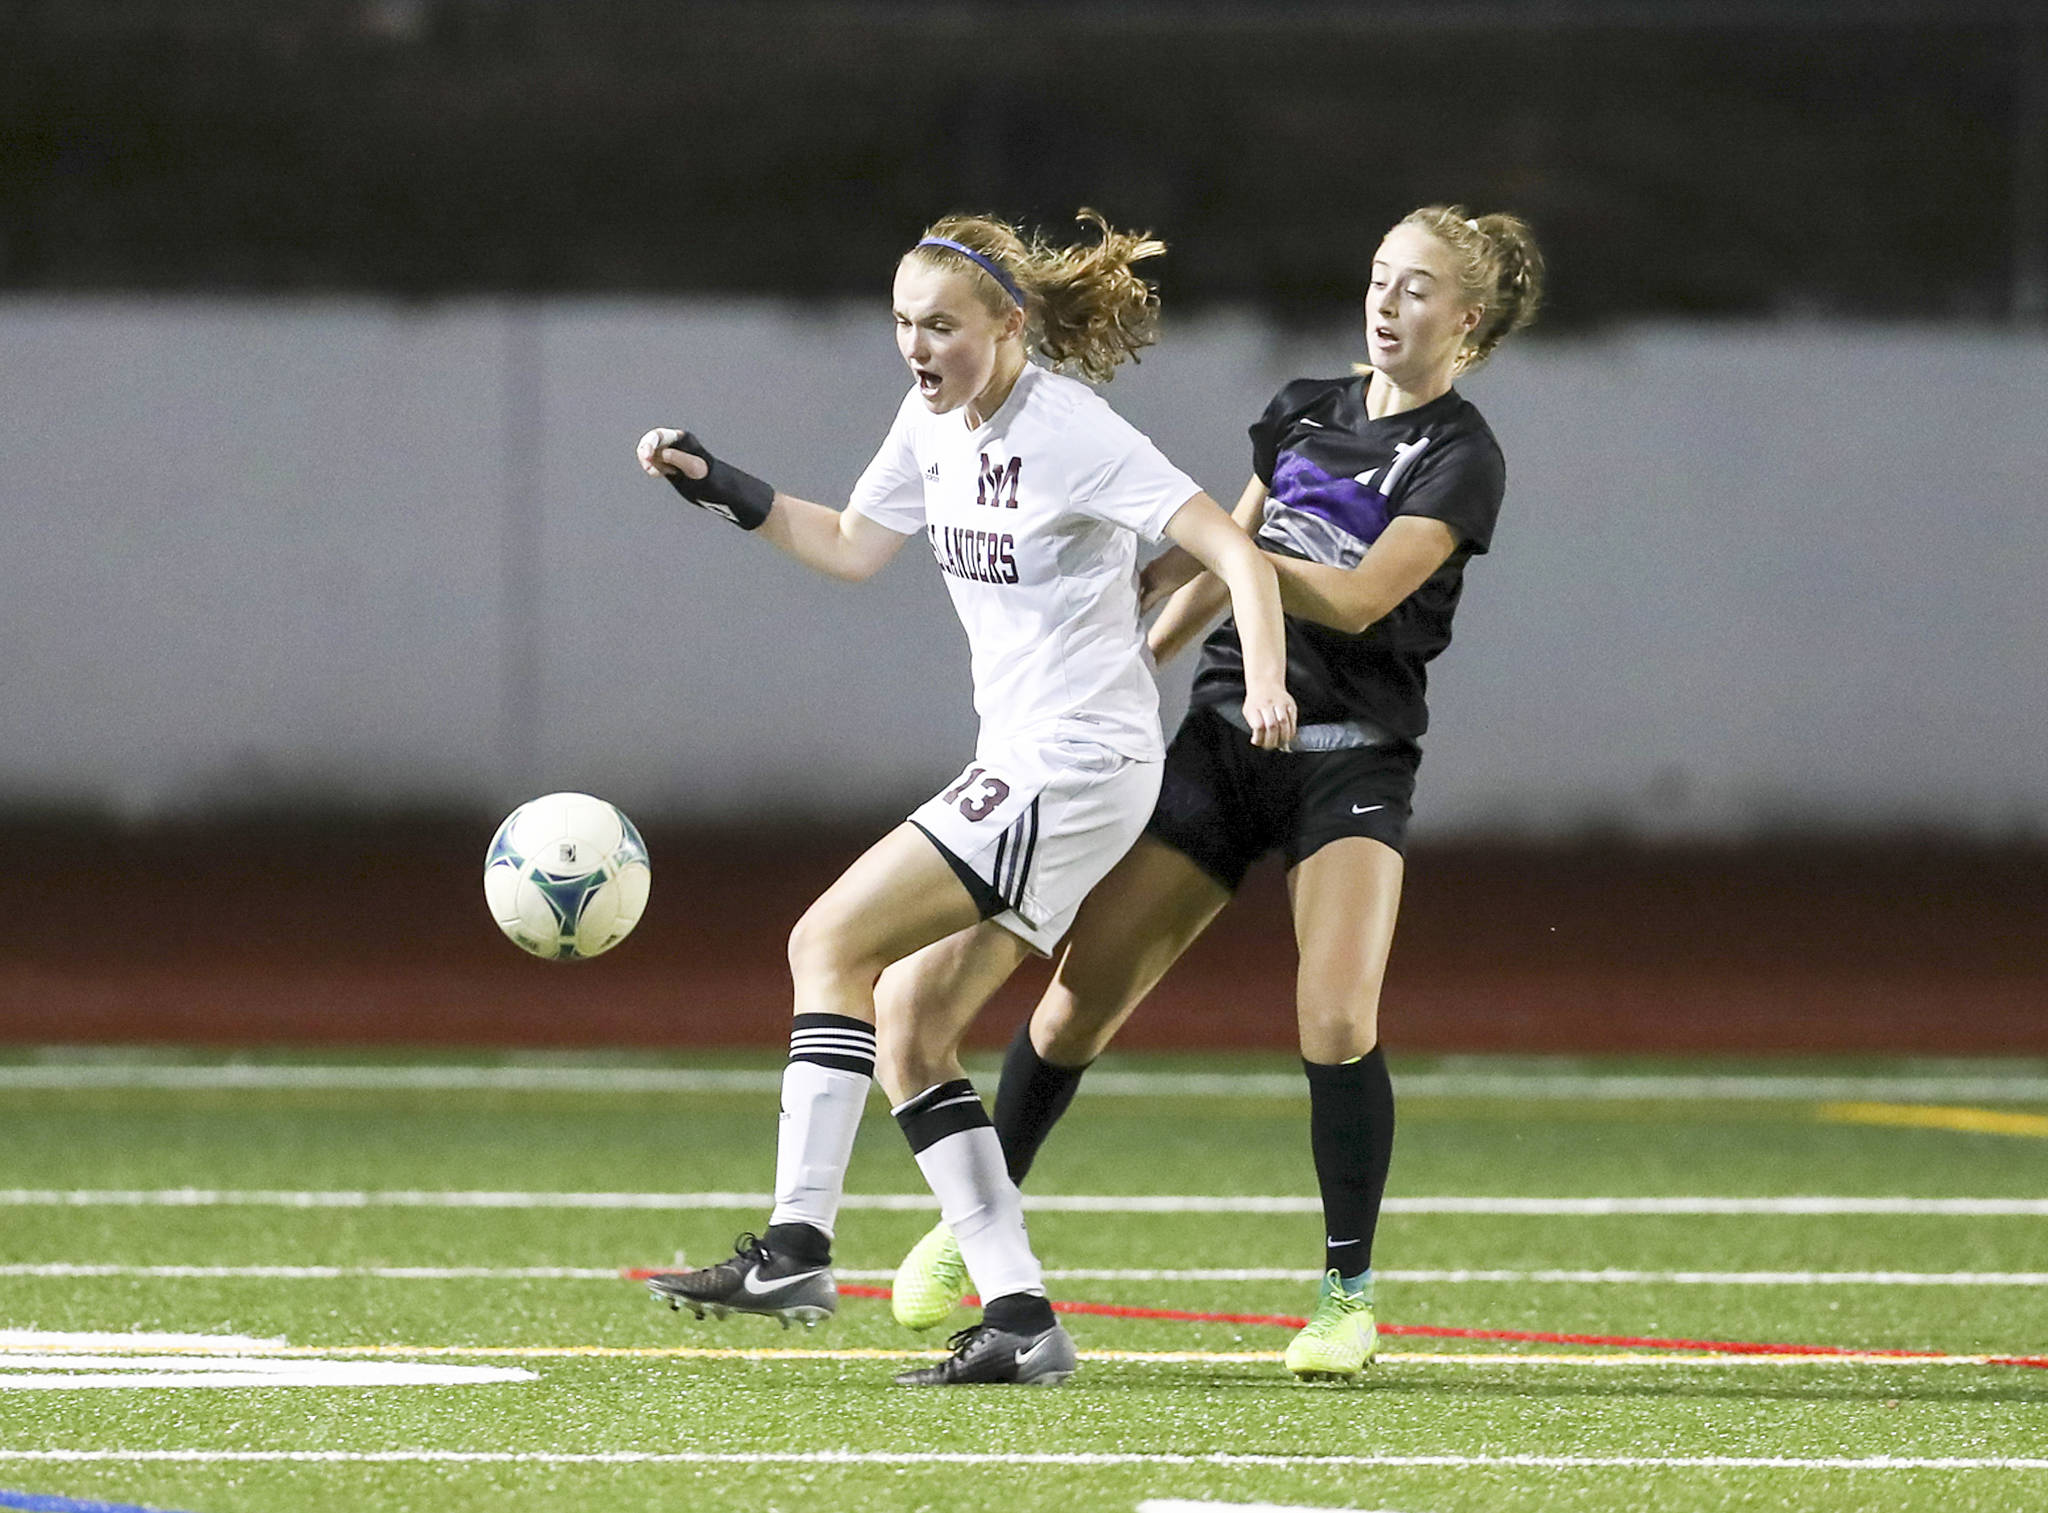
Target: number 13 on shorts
1038, 825
978, 794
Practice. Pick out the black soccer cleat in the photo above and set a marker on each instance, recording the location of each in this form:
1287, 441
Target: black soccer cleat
755, 1280
987, 1353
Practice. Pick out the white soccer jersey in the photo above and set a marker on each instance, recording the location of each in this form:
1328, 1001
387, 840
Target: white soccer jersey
1034, 517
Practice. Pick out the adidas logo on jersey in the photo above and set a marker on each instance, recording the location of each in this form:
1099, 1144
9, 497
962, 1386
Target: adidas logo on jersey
932, 472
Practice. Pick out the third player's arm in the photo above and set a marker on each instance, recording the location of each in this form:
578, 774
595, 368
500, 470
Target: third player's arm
1349, 599
1226, 551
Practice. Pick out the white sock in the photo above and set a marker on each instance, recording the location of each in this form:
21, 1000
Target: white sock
824, 1089
962, 1159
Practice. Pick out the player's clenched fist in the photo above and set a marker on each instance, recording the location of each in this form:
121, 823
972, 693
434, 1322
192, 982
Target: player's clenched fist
688, 467
1273, 720
660, 458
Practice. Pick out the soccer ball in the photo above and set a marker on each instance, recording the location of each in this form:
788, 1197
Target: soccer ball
566, 876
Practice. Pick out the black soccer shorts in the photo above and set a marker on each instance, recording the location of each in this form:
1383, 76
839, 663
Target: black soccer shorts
1223, 803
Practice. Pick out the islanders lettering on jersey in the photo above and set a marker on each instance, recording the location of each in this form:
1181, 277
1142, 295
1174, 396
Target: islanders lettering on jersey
984, 556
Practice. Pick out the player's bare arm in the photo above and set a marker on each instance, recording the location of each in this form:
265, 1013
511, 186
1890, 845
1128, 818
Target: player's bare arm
1213, 538
1409, 550
838, 543
841, 543
1176, 567
1348, 599
1194, 598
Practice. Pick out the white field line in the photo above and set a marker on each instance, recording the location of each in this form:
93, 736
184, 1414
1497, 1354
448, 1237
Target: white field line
60, 1361
1937, 1088
59, 1373
192, 1197
713, 1458
1611, 1276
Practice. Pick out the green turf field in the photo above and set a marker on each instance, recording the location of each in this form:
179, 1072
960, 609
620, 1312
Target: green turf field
341, 1232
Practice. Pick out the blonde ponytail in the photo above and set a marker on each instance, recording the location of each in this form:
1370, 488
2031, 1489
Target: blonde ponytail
1500, 267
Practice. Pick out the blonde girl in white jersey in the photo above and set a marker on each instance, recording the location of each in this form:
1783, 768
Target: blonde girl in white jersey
1032, 494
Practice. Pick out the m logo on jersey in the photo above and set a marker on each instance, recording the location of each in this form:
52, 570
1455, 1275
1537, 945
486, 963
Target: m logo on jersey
999, 481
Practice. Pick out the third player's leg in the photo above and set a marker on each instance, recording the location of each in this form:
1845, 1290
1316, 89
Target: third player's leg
1134, 926
1345, 898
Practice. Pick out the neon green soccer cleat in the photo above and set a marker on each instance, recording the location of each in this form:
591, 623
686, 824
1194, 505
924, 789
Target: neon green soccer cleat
931, 1281
1340, 1340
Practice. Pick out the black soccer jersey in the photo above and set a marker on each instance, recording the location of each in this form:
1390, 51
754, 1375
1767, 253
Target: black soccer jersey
1335, 477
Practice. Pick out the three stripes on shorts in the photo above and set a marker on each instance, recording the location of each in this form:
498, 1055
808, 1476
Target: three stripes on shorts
1014, 852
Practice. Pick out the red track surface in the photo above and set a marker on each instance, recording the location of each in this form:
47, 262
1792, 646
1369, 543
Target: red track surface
366, 933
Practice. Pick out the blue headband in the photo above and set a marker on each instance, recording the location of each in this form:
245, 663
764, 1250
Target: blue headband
987, 265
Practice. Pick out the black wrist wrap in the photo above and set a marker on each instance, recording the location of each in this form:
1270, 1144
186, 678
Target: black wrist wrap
726, 490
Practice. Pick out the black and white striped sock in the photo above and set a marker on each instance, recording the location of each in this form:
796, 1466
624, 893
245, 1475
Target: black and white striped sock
956, 1148
824, 1089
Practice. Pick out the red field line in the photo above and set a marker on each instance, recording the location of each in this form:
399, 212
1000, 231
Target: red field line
1117, 1311
1425, 1331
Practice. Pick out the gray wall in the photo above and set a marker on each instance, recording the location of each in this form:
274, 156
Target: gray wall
1747, 577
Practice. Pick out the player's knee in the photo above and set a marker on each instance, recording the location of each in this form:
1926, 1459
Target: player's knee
910, 1053
1070, 1029
821, 946
1337, 1023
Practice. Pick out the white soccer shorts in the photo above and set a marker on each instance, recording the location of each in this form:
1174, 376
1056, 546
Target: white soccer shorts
1039, 826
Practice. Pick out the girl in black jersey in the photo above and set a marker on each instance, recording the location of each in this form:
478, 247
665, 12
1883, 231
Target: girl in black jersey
1370, 494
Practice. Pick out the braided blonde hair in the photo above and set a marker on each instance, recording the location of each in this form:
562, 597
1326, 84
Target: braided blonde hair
1499, 267
1085, 308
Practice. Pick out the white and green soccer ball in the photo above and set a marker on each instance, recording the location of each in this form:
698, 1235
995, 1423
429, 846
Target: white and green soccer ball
566, 876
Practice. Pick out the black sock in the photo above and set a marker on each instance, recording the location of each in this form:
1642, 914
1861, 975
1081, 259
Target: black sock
1019, 1313
799, 1243
1351, 1129
1029, 1101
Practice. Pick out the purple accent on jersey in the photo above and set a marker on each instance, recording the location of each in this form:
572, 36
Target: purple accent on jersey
1343, 502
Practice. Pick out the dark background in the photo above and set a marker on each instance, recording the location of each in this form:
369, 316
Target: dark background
1886, 160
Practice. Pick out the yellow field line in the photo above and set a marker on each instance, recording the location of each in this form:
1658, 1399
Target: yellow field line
1976, 1121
